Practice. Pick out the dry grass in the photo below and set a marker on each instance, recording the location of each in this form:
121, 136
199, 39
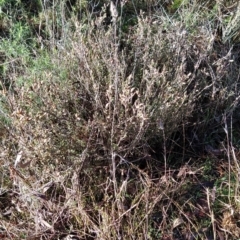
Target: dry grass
124, 134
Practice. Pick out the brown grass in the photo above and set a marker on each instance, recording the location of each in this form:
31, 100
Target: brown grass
124, 135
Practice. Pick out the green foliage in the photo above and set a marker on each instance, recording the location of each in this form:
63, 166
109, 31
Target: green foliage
177, 4
5, 119
16, 46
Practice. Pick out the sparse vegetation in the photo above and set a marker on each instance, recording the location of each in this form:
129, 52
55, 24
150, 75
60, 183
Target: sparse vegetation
123, 128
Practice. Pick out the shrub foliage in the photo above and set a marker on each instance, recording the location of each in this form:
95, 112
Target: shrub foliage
119, 128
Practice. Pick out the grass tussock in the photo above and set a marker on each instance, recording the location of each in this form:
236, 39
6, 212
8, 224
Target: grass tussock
121, 128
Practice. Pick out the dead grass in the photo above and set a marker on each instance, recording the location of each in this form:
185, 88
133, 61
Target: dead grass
124, 135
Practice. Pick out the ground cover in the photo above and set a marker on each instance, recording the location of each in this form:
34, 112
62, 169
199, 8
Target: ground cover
119, 120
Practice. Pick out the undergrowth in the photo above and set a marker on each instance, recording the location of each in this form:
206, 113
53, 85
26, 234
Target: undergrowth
119, 126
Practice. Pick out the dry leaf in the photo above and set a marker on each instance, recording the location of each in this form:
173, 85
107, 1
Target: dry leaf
18, 158
177, 222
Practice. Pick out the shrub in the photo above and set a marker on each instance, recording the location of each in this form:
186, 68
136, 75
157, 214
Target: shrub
90, 106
